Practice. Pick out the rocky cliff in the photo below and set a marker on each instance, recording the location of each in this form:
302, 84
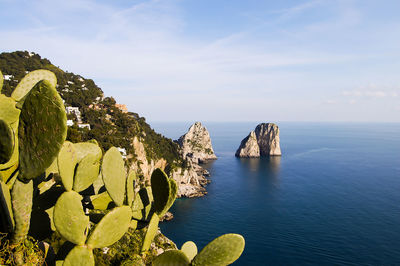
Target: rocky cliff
196, 144
190, 179
263, 141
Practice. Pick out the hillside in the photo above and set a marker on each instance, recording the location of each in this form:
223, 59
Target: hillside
110, 124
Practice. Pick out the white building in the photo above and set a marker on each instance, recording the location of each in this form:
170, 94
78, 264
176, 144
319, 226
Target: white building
70, 123
122, 151
84, 125
74, 110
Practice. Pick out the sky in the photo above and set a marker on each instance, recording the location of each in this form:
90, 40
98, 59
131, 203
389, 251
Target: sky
223, 60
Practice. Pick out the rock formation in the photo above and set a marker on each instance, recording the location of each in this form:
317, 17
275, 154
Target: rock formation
263, 141
191, 180
196, 144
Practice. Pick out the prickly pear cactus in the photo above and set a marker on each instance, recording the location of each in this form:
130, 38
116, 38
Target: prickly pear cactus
5, 205
88, 156
21, 199
190, 249
101, 201
114, 175
161, 189
6, 142
66, 164
130, 186
69, 218
172, 258
111, 228
42, 130
30, 80
223, 250
79, 256
151, 232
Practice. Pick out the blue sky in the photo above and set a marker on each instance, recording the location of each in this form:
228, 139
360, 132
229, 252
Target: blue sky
210, 60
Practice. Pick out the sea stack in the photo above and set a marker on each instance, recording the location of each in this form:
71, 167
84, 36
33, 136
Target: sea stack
196, 144
263, 141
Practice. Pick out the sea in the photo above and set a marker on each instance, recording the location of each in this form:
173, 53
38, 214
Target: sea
332, 198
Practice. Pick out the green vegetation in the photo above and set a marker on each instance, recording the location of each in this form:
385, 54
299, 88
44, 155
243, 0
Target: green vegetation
49, 187
110, 126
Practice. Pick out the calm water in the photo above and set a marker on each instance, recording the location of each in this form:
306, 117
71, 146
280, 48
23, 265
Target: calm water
332, 198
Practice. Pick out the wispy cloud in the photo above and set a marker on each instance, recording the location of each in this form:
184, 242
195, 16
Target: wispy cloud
141, 54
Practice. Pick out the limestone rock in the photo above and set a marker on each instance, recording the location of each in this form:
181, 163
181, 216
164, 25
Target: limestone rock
196, 144
190, 181
263, 141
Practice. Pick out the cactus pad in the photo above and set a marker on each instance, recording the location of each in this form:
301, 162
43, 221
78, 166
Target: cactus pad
160, 188
101, 201
171, 258
69, 218
21, 199
6, 142
79, 256
42, 130
8, 112
111, 228
190, 249
30, 80
84, 148
151, 232
114, 175
172, 195
86, 172
66, 164
223, 250
130, 188
6, 214
142, 205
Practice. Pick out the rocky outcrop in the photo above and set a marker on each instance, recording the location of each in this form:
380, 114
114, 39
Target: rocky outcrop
190, 181
196, 144
263, 141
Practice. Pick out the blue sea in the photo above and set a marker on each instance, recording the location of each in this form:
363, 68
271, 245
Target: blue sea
332, 198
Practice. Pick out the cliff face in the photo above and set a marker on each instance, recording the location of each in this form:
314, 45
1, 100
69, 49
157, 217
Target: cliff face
196, 144
190, 181
263, 141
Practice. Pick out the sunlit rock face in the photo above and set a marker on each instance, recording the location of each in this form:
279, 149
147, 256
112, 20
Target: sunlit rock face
196, 144
263, 141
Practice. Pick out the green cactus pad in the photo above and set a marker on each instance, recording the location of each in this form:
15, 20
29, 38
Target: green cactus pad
98, 184
171, 258
7, 218
79, 256
84, 148
151, 232
223, 250
52, 169
66, 164
161, 189
6, 142
8, 111
1, 81
101, 201
42, 130
190, 249
30, 80
142, 205
21, 200
130, 188
172, 196
86, 172
69, 218
111, 228
114, 175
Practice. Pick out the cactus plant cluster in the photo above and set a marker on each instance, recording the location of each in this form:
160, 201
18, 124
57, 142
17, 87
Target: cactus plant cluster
97, 200
223, 250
